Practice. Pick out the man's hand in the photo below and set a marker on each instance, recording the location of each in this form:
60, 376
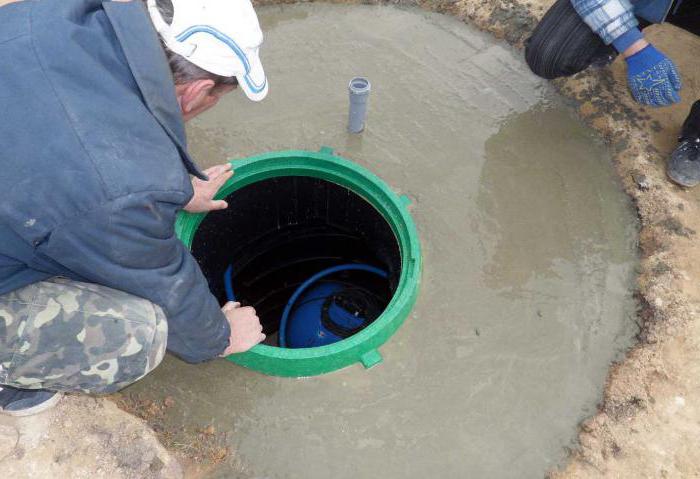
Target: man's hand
204, 191
652, 77
246, 330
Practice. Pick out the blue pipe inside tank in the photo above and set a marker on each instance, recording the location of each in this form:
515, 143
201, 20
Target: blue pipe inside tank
228, 286
312, 280
228, 283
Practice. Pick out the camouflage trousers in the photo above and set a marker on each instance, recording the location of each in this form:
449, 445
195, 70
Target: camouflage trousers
69, 336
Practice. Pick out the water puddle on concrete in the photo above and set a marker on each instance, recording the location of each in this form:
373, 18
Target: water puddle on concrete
529, 250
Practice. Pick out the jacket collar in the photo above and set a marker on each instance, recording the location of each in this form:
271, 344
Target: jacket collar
148, 64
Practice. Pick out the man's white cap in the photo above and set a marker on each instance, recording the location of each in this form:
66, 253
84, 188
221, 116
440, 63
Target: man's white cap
220, 36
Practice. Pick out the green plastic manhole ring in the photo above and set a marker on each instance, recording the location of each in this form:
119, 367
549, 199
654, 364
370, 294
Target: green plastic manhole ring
363, 346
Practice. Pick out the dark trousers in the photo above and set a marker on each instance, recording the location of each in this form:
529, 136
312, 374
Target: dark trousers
563, 45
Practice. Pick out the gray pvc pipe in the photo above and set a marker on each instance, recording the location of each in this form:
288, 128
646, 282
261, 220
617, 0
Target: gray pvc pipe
359, 89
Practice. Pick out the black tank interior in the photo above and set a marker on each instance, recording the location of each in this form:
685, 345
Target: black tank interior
279, 232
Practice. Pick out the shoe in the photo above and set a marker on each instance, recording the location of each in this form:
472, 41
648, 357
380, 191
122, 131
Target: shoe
26, 402
684, 165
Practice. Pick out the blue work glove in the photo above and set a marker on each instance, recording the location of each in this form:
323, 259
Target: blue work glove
653, 78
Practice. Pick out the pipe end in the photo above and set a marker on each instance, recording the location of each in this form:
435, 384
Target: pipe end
359, 86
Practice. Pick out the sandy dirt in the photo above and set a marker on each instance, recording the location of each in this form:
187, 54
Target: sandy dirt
83, 437
198, 448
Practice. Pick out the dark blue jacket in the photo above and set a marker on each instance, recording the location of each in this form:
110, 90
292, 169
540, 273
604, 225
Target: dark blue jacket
612, 19
654, 11
94, 164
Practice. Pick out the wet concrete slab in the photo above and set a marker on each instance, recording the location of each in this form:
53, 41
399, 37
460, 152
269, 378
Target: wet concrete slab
529, 250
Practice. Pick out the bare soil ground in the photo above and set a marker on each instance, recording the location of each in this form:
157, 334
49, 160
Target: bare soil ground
198, 450
83, 437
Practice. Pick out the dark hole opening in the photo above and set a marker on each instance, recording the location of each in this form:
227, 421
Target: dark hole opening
279, 232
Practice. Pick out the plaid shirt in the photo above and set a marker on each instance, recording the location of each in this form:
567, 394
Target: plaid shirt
612, 18
607, 18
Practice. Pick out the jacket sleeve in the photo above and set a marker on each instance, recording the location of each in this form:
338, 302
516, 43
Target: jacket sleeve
609, 19
129, 244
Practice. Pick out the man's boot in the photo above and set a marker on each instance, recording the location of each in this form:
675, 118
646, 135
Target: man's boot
684, 166
26, 402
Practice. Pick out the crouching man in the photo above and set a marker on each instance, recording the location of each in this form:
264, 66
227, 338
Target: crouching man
575, 34
94, 284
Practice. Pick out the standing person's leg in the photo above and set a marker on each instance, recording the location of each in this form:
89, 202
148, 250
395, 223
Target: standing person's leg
62, 335
684, 166
563, 45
